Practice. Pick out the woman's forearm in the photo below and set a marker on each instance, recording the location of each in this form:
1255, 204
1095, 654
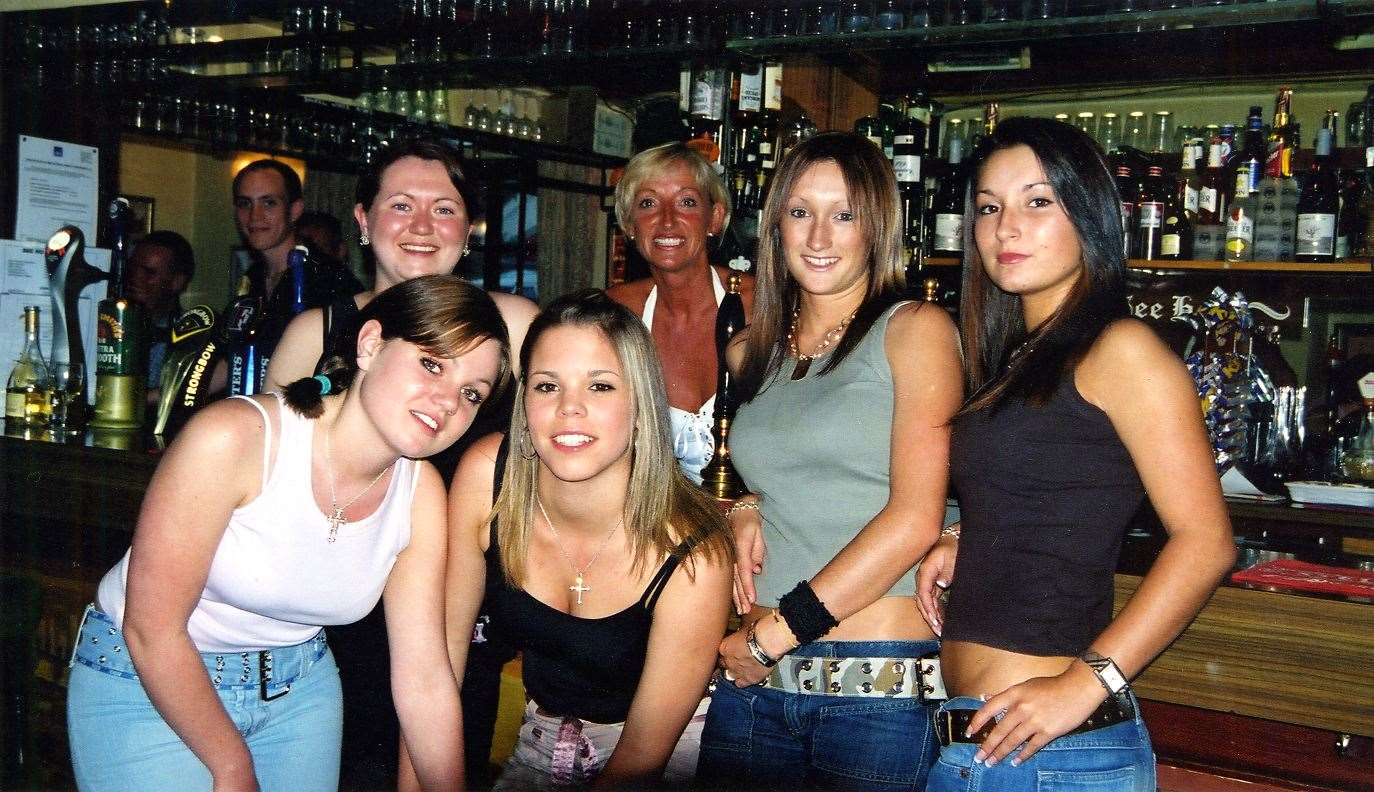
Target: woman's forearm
867, 568
170, 669
1178, 585
431, 727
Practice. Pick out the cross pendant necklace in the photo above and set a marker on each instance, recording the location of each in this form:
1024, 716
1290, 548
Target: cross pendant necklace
579, 586
335, 519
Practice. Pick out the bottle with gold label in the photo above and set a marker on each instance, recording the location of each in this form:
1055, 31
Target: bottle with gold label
120, 340
28, 389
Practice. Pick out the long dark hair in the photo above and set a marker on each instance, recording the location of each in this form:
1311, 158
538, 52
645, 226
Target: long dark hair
992, 322
442, 314
873, 198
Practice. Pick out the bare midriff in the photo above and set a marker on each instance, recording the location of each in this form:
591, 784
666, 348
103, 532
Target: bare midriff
888, 619
972, 669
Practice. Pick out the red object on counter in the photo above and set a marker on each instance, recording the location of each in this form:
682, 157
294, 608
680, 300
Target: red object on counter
1301, 575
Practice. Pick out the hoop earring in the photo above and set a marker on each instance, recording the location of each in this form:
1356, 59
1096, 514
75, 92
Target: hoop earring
525, 444
364, 240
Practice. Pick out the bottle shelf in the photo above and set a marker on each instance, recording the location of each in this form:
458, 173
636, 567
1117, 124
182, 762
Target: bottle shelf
1352, 266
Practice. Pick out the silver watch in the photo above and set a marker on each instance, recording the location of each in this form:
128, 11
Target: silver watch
1107, 671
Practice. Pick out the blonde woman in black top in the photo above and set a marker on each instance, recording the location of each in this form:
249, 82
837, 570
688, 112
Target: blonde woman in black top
600, 559
1076, 414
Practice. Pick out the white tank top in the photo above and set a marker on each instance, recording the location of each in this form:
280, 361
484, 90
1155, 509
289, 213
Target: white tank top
692, 443
275, 579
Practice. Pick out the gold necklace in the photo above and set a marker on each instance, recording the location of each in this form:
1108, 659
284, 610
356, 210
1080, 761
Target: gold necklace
832, 335
336, 512
578, 586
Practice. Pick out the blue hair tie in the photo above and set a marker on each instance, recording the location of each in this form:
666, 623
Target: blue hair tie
325, 384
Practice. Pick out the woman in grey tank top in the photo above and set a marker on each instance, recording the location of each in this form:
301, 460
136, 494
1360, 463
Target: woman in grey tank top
827, 681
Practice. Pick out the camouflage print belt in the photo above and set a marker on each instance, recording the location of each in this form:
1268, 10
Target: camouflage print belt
872, 677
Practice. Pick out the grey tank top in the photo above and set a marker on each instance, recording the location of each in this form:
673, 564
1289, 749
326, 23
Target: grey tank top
818, 450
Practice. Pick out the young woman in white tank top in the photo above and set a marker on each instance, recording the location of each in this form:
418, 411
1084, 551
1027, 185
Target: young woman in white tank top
202, 664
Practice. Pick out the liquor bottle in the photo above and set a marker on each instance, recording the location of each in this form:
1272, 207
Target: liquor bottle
908, 146
707, 109
800, 129
948, 237
746, 95
1348, 221
872, 128
1125, 186
1176, 241
1189, 182
1318, 205
30, 382
1149, 213
772, 116
120, 339
1252, 156
1240, 218
1279, 150
1211, 195
1357, 463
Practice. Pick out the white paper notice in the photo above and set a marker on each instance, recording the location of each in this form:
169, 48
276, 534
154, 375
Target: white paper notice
24, 281
58, 185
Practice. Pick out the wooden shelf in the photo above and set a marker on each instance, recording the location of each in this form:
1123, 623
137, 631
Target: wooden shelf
1354, 266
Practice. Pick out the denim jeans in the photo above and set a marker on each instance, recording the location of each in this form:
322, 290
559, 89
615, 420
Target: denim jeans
120, 742
1115, 758
760, 738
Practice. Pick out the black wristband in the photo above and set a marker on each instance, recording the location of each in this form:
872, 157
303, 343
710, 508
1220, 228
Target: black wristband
805, 614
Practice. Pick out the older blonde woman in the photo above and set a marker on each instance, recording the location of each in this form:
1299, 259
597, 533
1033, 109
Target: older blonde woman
670, 203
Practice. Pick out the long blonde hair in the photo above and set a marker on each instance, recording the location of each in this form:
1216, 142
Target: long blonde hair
664, 512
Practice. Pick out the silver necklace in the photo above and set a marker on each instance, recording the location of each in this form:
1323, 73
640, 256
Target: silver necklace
578, 586
336, 512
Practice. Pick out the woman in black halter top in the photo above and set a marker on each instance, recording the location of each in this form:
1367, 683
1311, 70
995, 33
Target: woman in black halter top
1077, 413
604, 564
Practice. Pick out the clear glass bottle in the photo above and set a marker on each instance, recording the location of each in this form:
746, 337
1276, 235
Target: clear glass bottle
29, 387
1357, 462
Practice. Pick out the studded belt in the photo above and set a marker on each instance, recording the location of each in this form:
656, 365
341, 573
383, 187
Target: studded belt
100, 646
872, 677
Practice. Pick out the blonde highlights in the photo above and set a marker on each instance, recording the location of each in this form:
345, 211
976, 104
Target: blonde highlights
653, 161
662, 507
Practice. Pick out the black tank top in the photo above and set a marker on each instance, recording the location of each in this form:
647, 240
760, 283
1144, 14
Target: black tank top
1046, 493
584, 668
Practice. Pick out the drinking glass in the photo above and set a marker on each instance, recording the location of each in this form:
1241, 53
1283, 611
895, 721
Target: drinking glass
68, 398
1162, 132
1109, 131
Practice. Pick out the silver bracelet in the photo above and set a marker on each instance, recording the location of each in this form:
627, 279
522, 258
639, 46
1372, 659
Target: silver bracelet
751, 642
950, 530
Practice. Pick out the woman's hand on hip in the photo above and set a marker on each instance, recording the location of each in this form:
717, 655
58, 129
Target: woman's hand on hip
932, 581
1037, 711
739, 665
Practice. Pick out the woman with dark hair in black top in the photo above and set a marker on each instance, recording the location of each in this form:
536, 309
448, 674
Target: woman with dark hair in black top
1076, 414
599, 558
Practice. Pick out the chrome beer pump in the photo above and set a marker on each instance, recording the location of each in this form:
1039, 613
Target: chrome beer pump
68, 275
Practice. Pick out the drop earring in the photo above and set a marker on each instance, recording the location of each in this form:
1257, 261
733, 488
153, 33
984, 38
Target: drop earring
364, 239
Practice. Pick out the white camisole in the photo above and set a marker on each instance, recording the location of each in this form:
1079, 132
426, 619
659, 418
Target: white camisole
692, 443
275, 579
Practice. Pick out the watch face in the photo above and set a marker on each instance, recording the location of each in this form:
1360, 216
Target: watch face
1116, 681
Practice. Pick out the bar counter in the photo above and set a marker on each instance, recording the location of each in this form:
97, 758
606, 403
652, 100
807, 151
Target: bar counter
1272, 685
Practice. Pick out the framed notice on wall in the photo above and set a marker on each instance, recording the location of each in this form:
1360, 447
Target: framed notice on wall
58, 185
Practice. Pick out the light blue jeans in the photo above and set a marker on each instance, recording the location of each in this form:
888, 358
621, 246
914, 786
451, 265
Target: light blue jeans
120, 742
1116, 758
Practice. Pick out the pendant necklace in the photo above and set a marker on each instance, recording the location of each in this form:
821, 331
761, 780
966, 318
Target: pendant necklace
578, 586
336, 512
804, 361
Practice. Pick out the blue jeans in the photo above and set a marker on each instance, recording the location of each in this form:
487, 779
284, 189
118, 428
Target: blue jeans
760, 738
1115, 758
119, 741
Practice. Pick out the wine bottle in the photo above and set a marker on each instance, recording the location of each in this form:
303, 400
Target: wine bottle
30, 383
908, 146
1149, 212
1318, 204
948, 239
1176, 240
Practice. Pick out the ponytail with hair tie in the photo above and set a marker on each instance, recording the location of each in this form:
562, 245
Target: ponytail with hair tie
306, 395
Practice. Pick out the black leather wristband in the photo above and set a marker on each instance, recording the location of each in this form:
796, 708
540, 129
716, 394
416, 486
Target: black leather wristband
805, 614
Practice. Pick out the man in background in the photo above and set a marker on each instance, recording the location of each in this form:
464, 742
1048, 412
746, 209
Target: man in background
160, 268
